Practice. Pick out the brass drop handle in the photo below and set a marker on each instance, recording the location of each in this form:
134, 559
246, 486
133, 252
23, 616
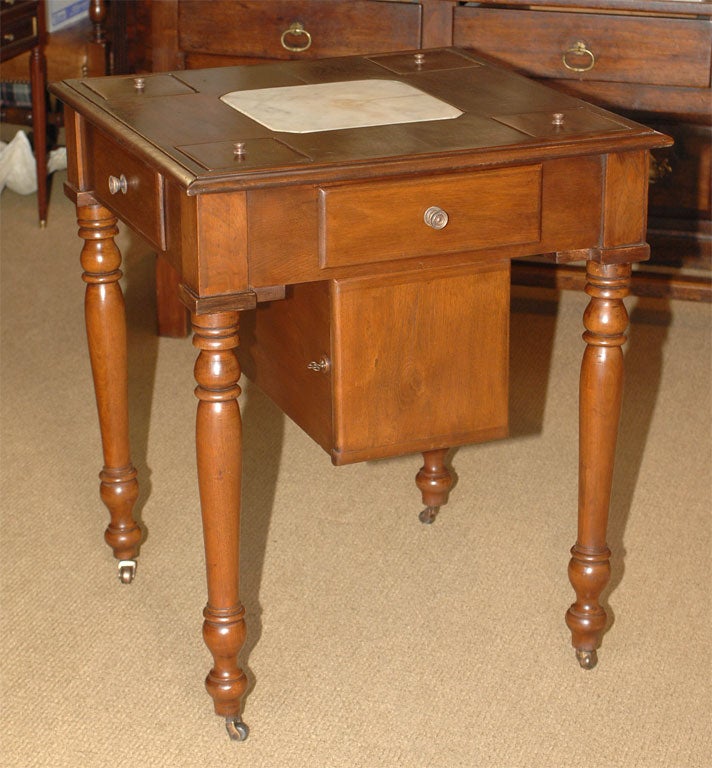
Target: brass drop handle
579, 49
322, 365
8, 37
436, 217
658, 169
296, 29
118, 184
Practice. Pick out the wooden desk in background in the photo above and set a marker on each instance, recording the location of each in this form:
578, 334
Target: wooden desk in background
372, 267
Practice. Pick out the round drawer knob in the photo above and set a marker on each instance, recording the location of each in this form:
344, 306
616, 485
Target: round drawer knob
435, 217
118, 184
578, 58
323, 365
296, 29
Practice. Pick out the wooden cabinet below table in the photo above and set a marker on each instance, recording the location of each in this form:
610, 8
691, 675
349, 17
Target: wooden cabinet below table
375, 367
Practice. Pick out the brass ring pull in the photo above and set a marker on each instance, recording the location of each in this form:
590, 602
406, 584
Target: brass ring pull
296, 29
579, 49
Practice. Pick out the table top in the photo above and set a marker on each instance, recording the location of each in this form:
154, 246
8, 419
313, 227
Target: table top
178, 123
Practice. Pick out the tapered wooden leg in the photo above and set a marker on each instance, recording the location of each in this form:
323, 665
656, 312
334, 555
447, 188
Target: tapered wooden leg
38, 79
106, 334
219, 454
601, 389
434, 481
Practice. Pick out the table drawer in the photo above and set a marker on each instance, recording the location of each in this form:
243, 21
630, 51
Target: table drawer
259, 29
18, 29
382, 221
628, 49
126, 185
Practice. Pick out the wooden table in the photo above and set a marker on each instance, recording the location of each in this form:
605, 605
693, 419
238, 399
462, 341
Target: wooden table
371, 265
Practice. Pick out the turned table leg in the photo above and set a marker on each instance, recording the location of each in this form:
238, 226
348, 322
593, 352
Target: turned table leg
434, 481
106, 334
219, 456
601, 388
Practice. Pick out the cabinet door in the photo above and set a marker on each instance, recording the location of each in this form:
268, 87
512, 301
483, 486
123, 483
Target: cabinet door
419, 361
282, 344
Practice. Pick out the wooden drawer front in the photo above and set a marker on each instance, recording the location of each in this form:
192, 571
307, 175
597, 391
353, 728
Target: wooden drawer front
18, 29
622, 48
337, 28
383, 221
142, 202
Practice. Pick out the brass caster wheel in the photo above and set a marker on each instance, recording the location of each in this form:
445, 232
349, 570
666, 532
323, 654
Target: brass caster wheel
587, 659
428, 515
236, 729
127, 571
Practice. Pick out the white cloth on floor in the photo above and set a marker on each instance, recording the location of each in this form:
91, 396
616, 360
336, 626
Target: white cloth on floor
18, 171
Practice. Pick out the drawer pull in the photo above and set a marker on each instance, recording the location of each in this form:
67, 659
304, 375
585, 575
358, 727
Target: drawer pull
435, 217
323, 365
8, 37
296, 29
579, 49
118, 184
658, 169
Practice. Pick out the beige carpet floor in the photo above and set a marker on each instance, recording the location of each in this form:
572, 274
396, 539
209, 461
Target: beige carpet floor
374, 641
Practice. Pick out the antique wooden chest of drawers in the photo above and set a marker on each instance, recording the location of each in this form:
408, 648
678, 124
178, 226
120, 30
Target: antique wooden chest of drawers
650, 60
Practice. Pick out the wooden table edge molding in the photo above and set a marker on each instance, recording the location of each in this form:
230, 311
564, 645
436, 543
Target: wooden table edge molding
350, 256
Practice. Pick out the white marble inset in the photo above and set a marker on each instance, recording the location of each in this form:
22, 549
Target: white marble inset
335, 106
